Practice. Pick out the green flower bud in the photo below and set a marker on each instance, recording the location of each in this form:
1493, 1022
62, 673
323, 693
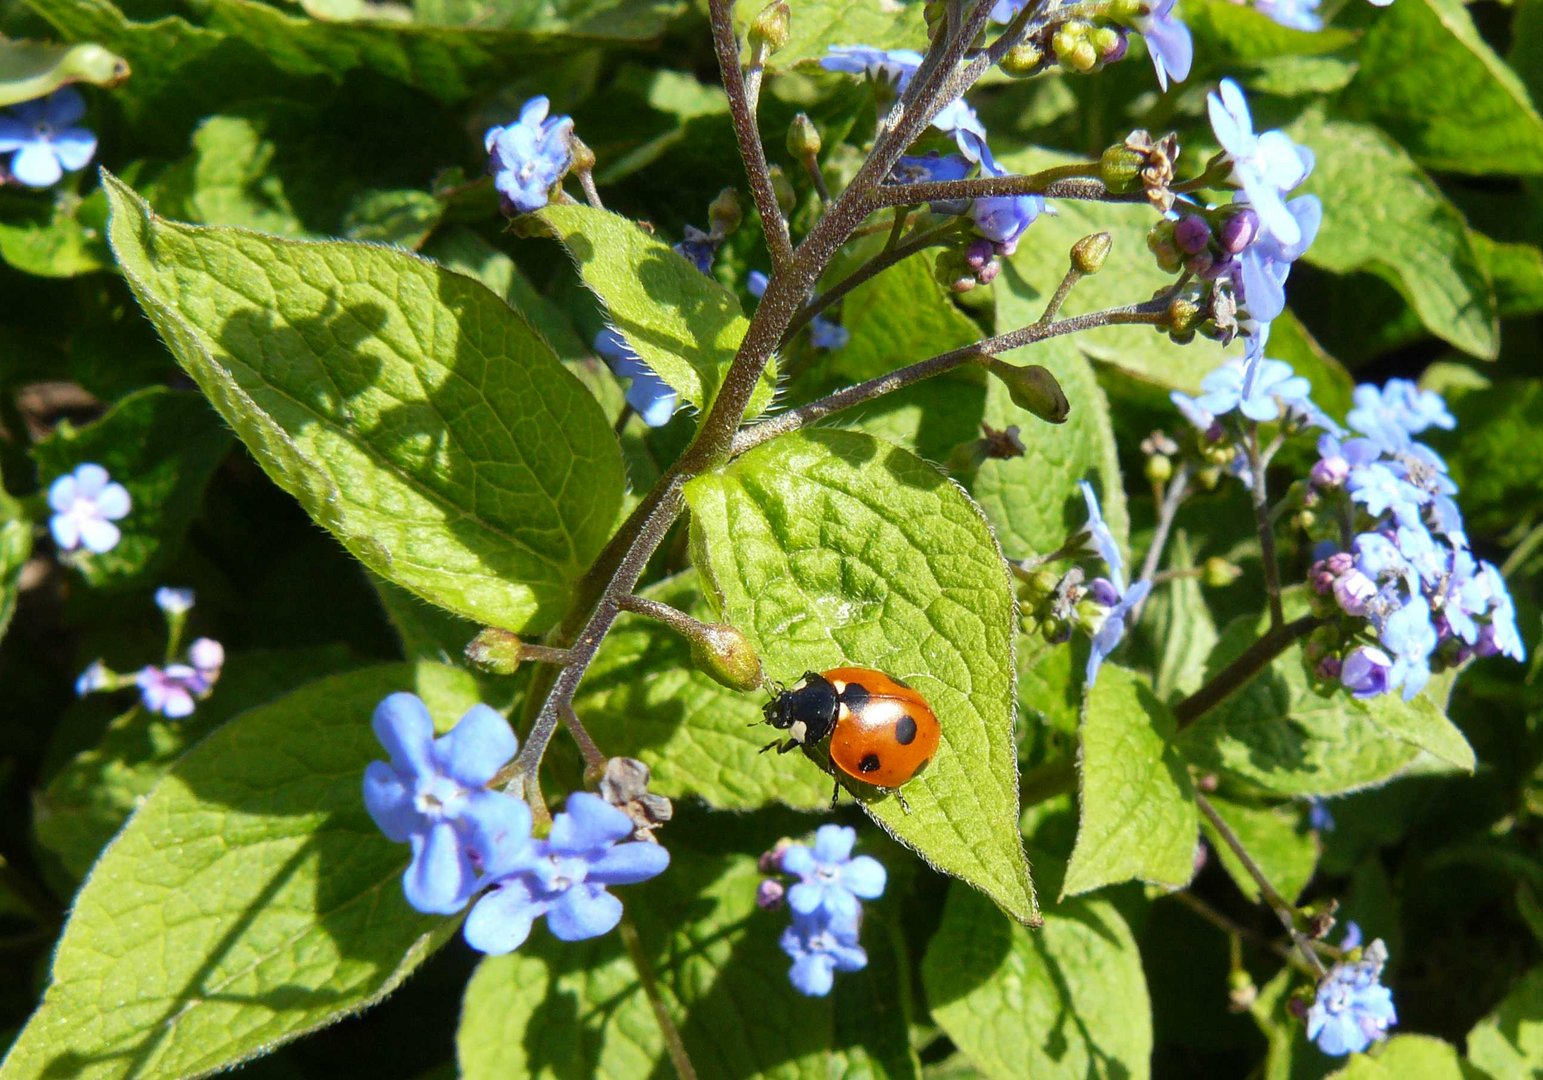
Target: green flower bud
1159, 469
724, 213
769, 30
1161, 243
950, 267
727, 655
1183, 315
583, 156
1218, 573
496, 651
1022, 60
1120, 167
803, 138
1126, 11
1033, 388
1089, 253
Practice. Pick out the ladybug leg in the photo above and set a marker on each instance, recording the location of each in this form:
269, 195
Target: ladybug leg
782, 747
903, 804
768, 746
835, 794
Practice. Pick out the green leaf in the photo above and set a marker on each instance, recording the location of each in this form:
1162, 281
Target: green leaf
230, 179
62, 237
90, 798
818, 24
1033, 500
409, 410
642, 697
15, 548
450, 63
162, 445
1274, 838
1516, 270
683, 323
1138, 817
1509, 1041
1228, 34
1066, 1000
249, 900
34, 69
1408, 1057
1281, 735
1182, 622
830, 548
1457, 87
1501, 479
400, 217
721, 975
1421, 245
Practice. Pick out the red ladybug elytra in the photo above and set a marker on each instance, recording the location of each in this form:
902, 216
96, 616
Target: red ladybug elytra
881, 731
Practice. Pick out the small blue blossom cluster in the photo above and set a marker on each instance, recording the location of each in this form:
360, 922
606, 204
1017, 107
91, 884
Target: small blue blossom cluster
1299, 14
1404, 565
175, 689
433, 794
43, 139
530, 157
1275, 393
825, 902
1108, 592
1351, 1008
85, 503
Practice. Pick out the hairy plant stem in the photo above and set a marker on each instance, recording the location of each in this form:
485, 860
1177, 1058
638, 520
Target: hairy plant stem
1151, 312
1168, 509
1237, 930
1286, 912
591, 193
1257, 463
1236, 675
640, 962
742, 109
674, 618
1062, 291
988, 186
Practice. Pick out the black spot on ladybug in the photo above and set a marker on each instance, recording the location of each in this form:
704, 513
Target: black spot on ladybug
905, 731
854, 697
869, 763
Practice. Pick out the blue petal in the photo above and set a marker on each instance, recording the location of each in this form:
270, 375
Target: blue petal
806, 898
834, 843
584, 911
798, 860
390, 803
865, 877
501, 921
813, 974
36, 165
476, 748
440, 879
587, 823
404, 728
497, 827
74, 148
627, 864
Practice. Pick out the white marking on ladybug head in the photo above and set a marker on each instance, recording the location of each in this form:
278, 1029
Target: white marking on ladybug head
798, 731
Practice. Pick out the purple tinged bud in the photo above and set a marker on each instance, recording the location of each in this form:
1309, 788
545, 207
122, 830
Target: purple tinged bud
1192, 234
770, 862
1329, 668
1321, 577
1341, 562
206, 655
988, 273
1365, 671
963, 284
979, 253
1238, 231
769, 895
1103, 592
1330, 472
1116, 51
1353, 591
1202, 264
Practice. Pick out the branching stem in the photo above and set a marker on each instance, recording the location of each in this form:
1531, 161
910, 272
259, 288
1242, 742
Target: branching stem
1257, 464
1236, 675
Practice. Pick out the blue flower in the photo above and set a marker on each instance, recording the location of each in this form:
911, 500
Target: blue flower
1275, 385
1365, 671
1002, 219
1296, 14
44, 139
819, 948
1266, 166
893, 66
98, 677
172, 691
1264, 264
174, 601
527, 159
831, 881
85, 503
433, 794
1113, 630
1103, 538
1396, 411
1352, 1009
650, 395
1319, 816
563, 877
1169, 42
1410, 636
697, 248
929, 168
1381, 489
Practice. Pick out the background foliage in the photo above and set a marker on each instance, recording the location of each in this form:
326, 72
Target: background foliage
342, 118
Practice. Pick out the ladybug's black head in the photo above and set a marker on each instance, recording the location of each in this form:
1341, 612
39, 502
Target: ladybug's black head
806, 710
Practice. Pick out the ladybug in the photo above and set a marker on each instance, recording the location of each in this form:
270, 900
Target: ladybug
880, 731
